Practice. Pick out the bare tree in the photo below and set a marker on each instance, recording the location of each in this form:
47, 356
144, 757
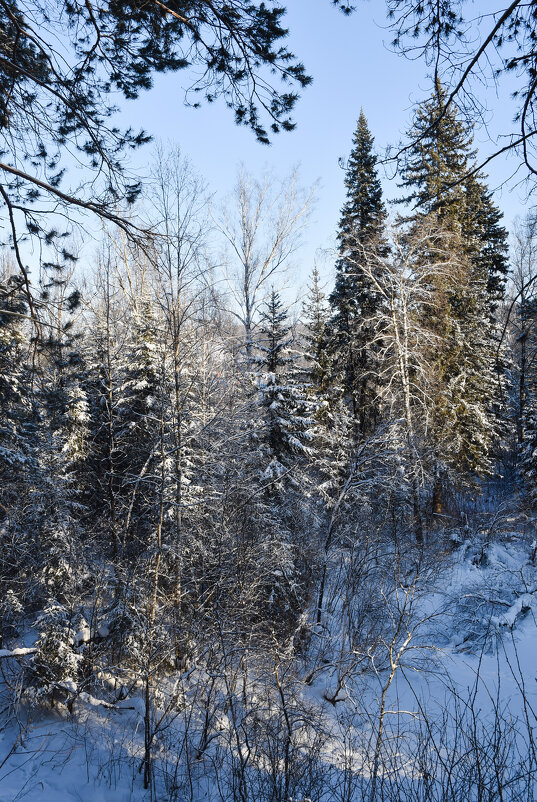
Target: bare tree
261, 227
407, 280
523, 312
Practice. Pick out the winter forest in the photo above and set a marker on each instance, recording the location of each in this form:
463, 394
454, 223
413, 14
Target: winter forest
255, 548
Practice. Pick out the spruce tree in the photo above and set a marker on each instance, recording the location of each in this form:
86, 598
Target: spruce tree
286, 409
316, 337
465, 423
20, 479
15, 400
438, 174
331, 427
437, 161
142, 406
318, 364
486, 240
527, 402
463, 361
354, 300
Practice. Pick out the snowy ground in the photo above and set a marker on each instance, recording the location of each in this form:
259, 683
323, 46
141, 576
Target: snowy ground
468, 661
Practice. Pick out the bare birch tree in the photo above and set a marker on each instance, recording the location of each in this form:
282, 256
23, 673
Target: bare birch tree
410, 280
260, 226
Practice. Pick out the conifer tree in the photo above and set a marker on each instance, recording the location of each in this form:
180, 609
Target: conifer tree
437, 161
486, 240
141, 409
286, 409
20, 481
331, 420
437, 173
463, 361
15, 403
354, 300
316, 337
527, 407
465, 421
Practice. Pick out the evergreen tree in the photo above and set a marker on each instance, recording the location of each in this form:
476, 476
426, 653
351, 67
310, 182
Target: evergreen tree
437, 161
331, 428
463, 360
354, 300
141, 415
465, 421
15, 398
528, 452
20, 480
486, 240
316, 337
436, 173
286, 409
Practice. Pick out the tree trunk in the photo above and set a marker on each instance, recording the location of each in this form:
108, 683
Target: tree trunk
438, 494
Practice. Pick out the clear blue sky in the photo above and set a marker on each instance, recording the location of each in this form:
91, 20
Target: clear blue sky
352, 67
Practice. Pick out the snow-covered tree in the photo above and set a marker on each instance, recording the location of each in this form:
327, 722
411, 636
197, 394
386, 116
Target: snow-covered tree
354, 344
285, 407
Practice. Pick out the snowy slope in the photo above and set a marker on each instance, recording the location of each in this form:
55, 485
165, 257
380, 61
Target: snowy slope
454, 674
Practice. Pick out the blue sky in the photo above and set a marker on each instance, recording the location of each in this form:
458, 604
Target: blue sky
352, 67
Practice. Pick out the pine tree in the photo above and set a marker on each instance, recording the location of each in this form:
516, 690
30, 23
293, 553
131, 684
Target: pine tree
354, 300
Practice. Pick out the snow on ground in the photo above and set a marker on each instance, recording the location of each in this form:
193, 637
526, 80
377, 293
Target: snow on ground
472, 646
61, 758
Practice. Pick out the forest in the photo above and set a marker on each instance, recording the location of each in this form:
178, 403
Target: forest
254, 549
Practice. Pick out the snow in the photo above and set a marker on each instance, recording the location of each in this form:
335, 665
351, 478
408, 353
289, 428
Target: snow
59, 761
19, 652
83, 635
455, 662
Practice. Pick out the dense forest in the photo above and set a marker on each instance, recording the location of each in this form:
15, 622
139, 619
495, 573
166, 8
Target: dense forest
255, 549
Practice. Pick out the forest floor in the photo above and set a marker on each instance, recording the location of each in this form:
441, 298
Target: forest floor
449, 680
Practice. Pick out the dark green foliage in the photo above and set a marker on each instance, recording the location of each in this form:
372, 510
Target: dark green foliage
354, 300
274, 338
486, 239
437, 160
59, 96
527, 365
465, 426
438, 171
17, 434
464, 360
317, 337
528, 452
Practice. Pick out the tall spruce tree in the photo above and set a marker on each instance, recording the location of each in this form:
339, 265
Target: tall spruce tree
354, 300
438, 176
463, 414
486, 240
